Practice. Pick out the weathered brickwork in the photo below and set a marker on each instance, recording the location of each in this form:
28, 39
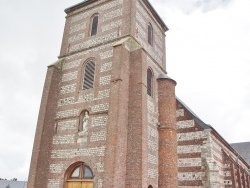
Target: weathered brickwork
115, 127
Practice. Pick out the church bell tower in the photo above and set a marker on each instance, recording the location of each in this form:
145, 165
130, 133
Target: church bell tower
108, 111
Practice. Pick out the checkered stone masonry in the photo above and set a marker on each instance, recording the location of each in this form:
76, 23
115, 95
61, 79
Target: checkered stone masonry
106, 67
67, 139
105, 80
53, 183
71, 64
106, 54
56, 168
66, 101
185, 124
68, 89
71, 153
99, 121
98, 136
66, 125
100, 107
67, 113
69, 76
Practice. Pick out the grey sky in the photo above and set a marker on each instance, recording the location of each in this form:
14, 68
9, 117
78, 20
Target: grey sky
207, 54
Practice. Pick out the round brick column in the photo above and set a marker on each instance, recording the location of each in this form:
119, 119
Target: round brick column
168, 169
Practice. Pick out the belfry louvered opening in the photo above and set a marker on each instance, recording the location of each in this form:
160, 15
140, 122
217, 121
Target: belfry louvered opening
89, 75
149, 82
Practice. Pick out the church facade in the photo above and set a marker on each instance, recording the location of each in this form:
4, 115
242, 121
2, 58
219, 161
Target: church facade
109, 117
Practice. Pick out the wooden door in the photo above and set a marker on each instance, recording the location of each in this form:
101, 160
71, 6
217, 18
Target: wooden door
72, 184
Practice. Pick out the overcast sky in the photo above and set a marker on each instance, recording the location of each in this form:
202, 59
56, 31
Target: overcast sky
208, 54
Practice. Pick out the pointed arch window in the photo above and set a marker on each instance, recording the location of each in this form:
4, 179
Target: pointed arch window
150, 34
89, 75
94, 24
149, 82
79, 175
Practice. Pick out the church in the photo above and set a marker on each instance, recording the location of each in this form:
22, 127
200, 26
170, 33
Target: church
109, 116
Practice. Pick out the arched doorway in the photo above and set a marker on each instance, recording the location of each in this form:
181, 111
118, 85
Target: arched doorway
79, 175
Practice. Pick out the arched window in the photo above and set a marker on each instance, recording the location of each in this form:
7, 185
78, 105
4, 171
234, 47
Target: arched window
94, 24
79, 175
150, 186
149, 82
150, 34
89, 75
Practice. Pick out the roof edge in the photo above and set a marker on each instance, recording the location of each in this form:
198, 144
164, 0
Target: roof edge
85, 2
156, 15
207, 126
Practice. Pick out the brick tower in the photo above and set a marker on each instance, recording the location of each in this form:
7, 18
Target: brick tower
108, 111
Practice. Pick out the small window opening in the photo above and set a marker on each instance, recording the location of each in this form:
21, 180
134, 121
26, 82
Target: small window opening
89, 75
94, 25
149, 82
150, 34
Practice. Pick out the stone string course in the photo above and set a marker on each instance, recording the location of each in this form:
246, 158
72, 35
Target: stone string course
84, 152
